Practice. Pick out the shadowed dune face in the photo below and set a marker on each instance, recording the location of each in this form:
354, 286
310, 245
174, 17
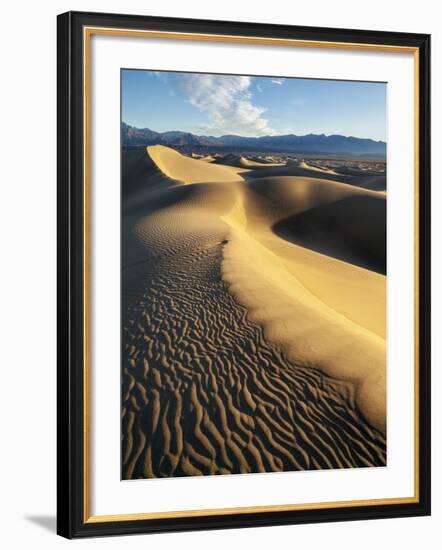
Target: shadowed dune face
137, 168
244, 162
339, 230
283, 195
254, 163
251, 343
311, 168
374, 182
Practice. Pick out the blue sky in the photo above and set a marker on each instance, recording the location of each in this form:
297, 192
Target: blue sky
252, 106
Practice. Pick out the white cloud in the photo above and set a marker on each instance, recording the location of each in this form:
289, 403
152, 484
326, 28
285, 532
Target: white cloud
161, 75
227, 102
279, 81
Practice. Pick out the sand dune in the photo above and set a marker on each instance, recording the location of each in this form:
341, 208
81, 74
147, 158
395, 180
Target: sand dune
205, 158
253, 163
342, 169
254, 335
171, 163
245, 162
336, 219
374, 182
139, 168
339, 230
307, 166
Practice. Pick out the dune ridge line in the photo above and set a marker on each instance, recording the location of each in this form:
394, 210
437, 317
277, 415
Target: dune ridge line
321, 311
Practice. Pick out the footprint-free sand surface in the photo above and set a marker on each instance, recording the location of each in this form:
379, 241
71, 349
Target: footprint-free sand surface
253, 317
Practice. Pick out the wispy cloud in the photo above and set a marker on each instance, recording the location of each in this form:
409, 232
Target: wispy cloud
279, 81
161, 75
227, 102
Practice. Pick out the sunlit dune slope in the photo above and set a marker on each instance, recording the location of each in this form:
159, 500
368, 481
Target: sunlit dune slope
371, 181
310, 295
173, 164
322, 312
336, 219
306, 166
243, 162
251, 163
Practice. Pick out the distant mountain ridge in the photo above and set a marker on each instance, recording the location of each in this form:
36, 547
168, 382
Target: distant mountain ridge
310, 143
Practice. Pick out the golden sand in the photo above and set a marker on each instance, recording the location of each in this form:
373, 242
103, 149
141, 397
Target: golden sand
322, 311
302, 258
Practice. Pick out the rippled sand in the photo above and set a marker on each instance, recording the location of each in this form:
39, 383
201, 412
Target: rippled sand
242, 350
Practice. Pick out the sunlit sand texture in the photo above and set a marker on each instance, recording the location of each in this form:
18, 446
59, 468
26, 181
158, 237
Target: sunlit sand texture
253, 315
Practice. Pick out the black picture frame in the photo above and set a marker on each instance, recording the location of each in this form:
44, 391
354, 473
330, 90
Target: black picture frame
72, 393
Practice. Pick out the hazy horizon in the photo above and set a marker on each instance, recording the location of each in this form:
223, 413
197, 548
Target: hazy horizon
238, 135
252, 106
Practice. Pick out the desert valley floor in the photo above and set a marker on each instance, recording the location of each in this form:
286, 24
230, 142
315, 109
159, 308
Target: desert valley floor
253, 311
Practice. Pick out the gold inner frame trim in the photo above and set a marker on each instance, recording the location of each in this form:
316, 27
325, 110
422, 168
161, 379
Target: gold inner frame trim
87, 34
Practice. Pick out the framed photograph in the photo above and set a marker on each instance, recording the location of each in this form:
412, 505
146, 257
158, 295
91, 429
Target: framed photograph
243, 274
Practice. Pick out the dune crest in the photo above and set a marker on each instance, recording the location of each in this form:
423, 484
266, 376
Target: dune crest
306, 166
206, 387
323, 312
189, 170
309, 331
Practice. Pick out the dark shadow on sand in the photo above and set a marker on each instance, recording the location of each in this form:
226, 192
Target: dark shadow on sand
352, 230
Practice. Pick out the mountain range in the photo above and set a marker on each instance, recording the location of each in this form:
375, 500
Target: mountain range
309, 144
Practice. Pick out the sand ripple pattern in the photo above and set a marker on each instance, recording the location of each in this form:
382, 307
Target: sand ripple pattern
204, 393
